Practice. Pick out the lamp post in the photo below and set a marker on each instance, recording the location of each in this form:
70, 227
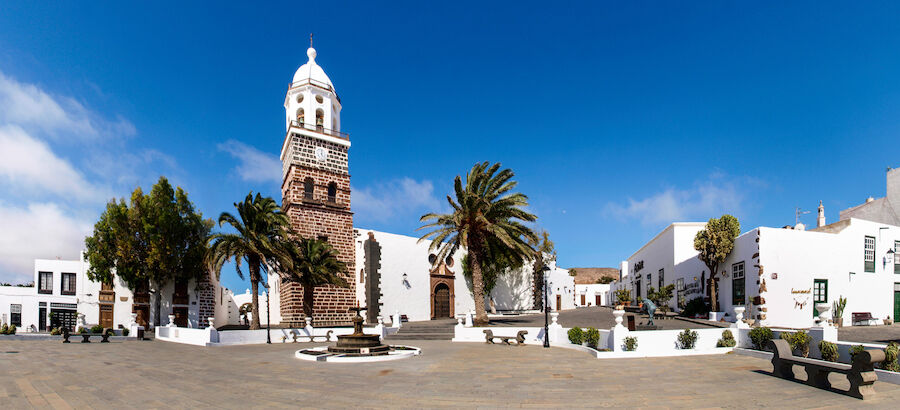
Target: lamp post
546, 273
268, 320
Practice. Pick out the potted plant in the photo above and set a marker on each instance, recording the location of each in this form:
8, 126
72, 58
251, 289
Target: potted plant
623, 296
837, 311
630, 344
888, 321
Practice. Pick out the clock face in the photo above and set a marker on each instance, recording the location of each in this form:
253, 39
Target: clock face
321, 153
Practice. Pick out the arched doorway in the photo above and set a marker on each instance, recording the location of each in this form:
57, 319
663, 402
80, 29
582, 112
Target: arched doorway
442, 301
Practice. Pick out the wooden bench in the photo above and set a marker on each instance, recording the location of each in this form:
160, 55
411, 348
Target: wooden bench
312, 338
861, 317
520, 337
861, 373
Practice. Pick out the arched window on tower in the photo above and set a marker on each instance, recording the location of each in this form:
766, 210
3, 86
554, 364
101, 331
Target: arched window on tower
308, 188
320, 119
301, 117
332, 192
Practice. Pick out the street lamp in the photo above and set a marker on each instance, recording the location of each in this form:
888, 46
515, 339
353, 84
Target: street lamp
546, 274
268, 320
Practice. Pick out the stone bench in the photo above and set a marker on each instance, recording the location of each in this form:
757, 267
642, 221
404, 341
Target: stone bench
861, 373
86, 337
519, 337
312, 338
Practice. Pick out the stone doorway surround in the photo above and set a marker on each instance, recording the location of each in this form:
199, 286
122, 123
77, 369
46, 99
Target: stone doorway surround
442, 275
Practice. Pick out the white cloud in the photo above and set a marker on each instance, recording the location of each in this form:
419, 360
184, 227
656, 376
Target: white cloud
37, 230
717, 195
398, 197
30, 165
34, 109
254, 165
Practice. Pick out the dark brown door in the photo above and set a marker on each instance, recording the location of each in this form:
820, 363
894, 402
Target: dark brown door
558, 302
597, 301
441, 301
143, 315
106, 315
181, 316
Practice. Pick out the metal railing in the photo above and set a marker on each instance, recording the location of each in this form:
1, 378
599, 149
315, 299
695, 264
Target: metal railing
321, 129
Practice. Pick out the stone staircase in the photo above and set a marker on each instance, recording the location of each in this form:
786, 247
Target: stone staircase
441, 329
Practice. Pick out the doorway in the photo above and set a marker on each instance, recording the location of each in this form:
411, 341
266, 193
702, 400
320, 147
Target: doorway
143, 315
558, 302
597, 300
42, 319
181, 316
441, 301
106, 315
820, 293
583, 302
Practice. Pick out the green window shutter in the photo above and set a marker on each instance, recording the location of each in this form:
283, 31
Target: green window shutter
869, 254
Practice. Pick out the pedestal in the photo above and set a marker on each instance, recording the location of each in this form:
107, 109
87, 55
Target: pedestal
739, 318
171, 320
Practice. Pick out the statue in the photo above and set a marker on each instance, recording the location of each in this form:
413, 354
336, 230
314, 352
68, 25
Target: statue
650, 307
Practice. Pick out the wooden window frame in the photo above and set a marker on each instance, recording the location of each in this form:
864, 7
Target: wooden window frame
869, 265
42, 282
738, 277
62, 283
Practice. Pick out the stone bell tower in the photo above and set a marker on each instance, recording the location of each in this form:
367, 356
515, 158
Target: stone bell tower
315, 188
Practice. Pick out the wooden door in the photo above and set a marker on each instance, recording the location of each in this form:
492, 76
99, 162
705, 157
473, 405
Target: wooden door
558, 302
598, 300
106, 315
583, 303
181, 316
441, 301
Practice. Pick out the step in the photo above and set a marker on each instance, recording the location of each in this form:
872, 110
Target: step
419, 336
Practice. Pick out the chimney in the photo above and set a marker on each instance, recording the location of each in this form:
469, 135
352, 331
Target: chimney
820, 221
869, 199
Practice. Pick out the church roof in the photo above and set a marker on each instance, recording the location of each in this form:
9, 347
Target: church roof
312, 71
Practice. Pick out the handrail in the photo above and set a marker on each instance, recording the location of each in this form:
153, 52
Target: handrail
321, 129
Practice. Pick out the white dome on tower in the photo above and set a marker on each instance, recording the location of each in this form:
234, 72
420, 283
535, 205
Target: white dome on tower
312, 71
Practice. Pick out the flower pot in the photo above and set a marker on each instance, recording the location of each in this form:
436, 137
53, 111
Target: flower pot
839, 322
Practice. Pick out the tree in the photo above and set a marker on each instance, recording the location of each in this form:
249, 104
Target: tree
498, 263
714, 243
154, 238
485, 212
662, 296
545, 251
262, 231
606, 279
314, 263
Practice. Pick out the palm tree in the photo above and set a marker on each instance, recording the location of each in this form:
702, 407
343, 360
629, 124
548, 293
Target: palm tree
259, 242
486, 213
314, 263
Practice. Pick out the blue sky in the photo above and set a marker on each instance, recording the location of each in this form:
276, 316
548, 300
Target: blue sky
617, 118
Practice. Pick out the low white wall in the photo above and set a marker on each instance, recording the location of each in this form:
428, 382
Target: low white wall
243, 337
185, 335
658, 343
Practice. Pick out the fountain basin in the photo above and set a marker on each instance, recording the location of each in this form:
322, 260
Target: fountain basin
323, 354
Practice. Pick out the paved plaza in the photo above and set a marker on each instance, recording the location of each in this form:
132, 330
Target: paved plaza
155, 374
598, 317
870, 334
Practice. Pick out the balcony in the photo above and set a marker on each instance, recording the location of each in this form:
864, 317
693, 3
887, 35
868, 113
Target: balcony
141, 298
321, 130
107, 296
314, 83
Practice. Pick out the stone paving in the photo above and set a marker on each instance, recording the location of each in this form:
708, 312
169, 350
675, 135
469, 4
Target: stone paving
44, 374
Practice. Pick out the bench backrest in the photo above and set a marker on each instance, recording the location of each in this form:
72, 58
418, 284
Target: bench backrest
862, 315
866, 359
781, 348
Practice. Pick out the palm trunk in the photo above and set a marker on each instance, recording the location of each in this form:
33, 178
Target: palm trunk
308, 292
481, 318
538, 284
254, 289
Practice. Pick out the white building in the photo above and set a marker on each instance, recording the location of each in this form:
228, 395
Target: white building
62, 292
593, 294
780, 274
397, 273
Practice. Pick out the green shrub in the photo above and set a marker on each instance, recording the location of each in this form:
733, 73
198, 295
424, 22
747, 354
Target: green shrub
687, 339
83, 330
125, 331
799, 341
695, 307
96, 329
890, 357
592, 337
576, 336
4, 329
829, 351
55, 331
760, 336
631, 344
854, 350
727, 339
12, 330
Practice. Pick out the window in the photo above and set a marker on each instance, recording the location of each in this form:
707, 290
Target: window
67, 286
320, 119
308, 187
332, 192
820, 293
869, 258
738, 284
45, 283
679, 284
896, 256
15, 315
661, 276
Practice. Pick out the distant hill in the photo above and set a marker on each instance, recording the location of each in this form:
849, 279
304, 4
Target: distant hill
586, 276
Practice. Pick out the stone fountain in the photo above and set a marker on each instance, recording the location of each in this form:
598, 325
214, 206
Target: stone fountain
359, 343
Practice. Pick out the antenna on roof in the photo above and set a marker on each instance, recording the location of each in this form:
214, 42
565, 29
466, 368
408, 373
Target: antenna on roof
310, 40
799, 212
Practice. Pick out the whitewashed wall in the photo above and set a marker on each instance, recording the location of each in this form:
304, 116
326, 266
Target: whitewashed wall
590, 292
